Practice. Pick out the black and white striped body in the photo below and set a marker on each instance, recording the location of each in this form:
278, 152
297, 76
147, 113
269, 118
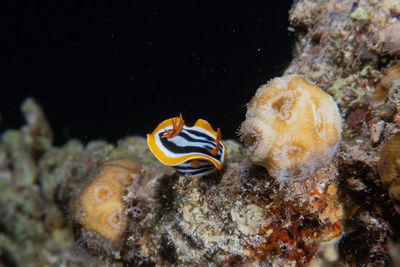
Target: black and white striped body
193, 152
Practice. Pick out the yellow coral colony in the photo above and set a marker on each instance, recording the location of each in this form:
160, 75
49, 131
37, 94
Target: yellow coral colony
99, 209
292, 127
389, 169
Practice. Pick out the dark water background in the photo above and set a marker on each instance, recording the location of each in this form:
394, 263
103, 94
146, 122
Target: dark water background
109, 70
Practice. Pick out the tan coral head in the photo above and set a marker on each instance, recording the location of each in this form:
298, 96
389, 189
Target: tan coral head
99, 211
292, 127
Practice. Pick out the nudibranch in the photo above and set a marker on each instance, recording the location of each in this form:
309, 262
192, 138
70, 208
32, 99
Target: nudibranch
194, 151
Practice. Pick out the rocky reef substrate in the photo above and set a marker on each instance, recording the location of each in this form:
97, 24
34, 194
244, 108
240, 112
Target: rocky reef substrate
342, 215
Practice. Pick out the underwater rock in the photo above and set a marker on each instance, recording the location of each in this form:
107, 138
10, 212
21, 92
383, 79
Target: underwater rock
298, 229
343, 46
250, 216
292, 128
389, 39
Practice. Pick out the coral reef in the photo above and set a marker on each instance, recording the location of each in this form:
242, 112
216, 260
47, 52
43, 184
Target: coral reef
163, 218
34, 231
342, 215
292, 128
350, 48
